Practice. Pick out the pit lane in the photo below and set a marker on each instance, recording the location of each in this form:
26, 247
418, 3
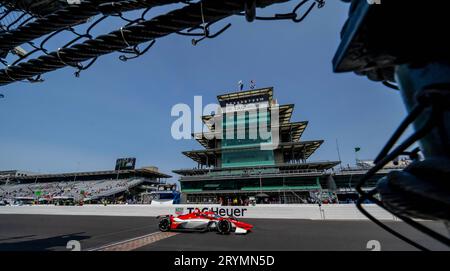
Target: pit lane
52, 232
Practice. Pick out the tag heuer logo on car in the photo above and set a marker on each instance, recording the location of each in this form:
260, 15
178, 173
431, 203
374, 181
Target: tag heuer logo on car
179, 210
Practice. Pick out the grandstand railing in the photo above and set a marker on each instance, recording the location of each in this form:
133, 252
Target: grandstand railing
230, 176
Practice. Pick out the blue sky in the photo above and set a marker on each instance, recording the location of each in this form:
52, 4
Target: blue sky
118, 109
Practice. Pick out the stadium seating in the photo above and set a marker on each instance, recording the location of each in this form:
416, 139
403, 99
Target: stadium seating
77, 190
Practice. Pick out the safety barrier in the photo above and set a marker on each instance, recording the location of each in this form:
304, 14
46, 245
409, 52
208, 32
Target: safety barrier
272, 211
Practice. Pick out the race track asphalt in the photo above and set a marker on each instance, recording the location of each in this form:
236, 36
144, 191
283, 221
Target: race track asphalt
52, 232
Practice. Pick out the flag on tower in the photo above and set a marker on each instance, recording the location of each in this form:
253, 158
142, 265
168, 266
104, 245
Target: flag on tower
241, 85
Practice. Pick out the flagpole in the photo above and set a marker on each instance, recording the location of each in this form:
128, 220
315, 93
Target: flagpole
357, 149
339, 154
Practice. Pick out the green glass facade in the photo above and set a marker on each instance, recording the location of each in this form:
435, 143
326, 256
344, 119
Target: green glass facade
255, 184
246, 130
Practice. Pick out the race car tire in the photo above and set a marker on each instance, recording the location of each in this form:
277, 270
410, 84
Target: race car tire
164, 224
224, 226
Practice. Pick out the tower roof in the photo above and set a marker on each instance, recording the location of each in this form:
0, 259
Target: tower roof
323, 165
284, 116
249, 95
296, 150
291, 131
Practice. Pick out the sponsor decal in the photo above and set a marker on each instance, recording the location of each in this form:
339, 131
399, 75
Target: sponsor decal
179, 210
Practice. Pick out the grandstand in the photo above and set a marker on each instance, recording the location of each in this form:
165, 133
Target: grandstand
7, 174
116, 186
